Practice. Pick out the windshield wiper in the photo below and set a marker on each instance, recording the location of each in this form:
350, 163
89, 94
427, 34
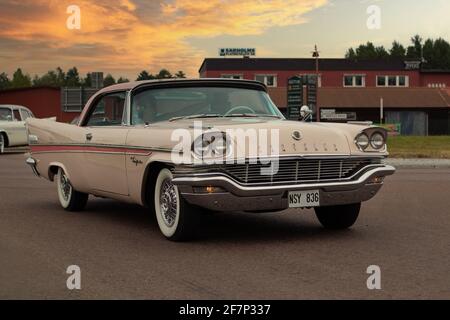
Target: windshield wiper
251, 115
195, 116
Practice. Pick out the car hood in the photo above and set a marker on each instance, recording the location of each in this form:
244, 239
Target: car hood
311, 139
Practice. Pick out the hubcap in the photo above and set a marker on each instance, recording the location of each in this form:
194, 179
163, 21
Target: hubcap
66, 187
168, 202
2, 144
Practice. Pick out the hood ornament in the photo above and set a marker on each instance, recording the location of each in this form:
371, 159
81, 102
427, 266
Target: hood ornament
296, 135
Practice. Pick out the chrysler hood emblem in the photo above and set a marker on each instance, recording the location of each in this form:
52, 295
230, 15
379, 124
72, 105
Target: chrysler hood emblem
296, 135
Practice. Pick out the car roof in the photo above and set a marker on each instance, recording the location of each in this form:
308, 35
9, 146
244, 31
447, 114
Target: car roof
149, 83
13, 106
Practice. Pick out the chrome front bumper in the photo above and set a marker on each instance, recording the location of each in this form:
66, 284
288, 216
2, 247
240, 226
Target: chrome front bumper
32, 163
238, 197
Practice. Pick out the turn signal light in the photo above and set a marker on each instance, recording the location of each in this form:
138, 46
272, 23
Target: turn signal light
208, 189
377, 180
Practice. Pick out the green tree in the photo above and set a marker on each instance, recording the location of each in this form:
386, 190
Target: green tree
351, 54
108, 80
20, 80
144, 75
4, 81
48, 79
367, 51
415, 50
180, 74
122, 80
72, 78
436, 54
397, 51
87, 81
61, 77
164, 74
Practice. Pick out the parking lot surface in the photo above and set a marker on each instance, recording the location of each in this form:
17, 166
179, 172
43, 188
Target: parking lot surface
405, 230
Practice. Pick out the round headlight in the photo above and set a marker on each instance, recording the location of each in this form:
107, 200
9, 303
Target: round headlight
362, 141
210, 145
377, 141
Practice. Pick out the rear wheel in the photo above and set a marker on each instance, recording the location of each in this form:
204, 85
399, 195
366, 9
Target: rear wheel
176, 218
2, 143
69, 198
338, 217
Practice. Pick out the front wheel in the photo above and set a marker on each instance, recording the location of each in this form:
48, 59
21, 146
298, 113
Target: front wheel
338, 217
176, 218
69, 198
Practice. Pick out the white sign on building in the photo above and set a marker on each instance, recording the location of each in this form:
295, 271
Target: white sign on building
246, 52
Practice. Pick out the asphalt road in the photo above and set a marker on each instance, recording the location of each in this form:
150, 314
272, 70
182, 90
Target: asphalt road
405, 230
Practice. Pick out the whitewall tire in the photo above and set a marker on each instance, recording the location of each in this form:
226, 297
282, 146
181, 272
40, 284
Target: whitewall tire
176, 218
2, 143
69, 198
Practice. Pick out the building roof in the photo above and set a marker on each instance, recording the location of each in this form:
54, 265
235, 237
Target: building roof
392, 97
29, 88
291, 64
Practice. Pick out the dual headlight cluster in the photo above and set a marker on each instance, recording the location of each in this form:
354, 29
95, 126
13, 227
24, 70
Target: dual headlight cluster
375, 140
211, 145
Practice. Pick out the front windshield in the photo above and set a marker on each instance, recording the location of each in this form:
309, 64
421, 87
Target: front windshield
5, 114
156, 105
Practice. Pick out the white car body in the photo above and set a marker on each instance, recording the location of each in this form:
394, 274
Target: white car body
13, 131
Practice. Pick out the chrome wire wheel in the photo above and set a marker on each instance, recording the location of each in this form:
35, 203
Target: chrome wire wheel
65, 190
168, 203
66, 187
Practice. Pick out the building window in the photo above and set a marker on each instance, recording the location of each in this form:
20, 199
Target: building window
313, 75
354, 80
392, 81
269, 80
232, 76
381, 81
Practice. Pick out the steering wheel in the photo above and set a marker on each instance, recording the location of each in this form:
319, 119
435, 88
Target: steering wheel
237, 108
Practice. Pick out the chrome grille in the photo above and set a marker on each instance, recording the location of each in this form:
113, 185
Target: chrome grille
298, 170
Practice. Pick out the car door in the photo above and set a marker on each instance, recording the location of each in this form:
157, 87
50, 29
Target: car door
18, 130
105, 145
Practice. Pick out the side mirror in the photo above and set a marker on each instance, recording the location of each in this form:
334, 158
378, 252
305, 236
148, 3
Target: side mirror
306, 113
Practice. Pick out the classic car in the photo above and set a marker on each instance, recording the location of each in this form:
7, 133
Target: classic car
183, 148
12, 126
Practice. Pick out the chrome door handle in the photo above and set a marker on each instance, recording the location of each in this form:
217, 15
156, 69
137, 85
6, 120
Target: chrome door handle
89, 136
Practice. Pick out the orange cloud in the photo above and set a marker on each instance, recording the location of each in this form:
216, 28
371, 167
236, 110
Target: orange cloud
130, 35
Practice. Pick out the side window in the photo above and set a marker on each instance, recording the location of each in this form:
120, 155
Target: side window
25, 114
108, 111
17, 116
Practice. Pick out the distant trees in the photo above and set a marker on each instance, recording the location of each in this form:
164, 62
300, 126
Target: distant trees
4, 81
162, 74
59, 78
109, 80
436, 53
20, 80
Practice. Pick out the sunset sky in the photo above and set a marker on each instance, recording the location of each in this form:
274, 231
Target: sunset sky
123, 37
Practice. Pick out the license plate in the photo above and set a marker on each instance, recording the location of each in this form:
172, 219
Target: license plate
302, 199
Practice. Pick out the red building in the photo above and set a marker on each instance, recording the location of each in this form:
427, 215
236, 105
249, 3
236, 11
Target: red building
353, 90
44, 102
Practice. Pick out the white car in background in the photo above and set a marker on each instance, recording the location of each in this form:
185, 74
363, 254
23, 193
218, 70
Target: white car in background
13, 132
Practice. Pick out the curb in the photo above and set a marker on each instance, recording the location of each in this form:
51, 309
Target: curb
419, 163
